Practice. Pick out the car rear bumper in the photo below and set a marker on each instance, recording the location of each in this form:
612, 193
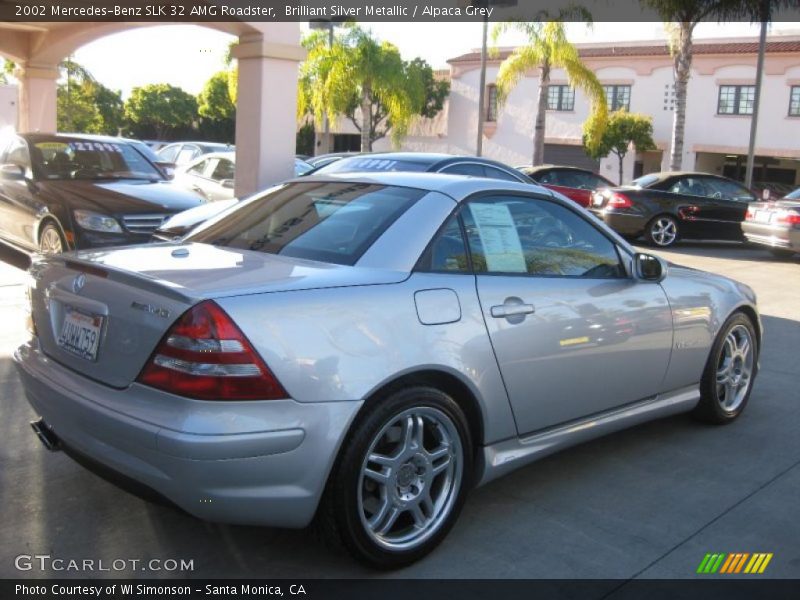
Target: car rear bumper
773, 236
256, 463
622, 223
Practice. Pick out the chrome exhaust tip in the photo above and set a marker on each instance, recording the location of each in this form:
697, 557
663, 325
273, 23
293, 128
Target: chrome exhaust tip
46, 436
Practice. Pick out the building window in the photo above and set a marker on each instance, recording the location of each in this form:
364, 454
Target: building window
560, 97
736, 99
491, 103
618, 97
794, 101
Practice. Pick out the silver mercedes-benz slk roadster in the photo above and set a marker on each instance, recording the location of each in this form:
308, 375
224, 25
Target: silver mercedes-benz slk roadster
361, 350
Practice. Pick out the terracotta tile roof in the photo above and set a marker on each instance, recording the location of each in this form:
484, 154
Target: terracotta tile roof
774, 47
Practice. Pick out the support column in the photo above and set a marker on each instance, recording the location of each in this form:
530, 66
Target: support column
266, 107
37, 98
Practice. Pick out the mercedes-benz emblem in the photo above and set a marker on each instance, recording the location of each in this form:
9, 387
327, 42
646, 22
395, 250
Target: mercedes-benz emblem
78, 283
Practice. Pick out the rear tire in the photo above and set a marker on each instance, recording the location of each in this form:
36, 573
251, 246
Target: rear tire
662, 231
730, 372
400, 480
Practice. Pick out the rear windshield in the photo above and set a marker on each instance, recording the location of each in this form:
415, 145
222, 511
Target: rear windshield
365, 163
327, 222
795, 195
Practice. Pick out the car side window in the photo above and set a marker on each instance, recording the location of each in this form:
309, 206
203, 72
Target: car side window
729, 190
527, 236
448, 252
186, 154
168, 154
494, 173
223, 170
470, 169
689, 186
199, 168
587, 181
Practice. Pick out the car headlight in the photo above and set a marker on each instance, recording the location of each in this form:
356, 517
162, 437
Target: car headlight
96, 222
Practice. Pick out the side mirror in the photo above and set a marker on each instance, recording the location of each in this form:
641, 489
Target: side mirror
649, 268
228, 183
12, 172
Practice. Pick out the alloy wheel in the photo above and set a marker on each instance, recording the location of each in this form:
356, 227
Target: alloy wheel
664, 231
50, 242
410, 478
735, 368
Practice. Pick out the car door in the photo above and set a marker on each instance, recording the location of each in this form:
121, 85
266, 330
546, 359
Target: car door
573, 333
18, 210
221, 173
730, 205
693, 202
194, 178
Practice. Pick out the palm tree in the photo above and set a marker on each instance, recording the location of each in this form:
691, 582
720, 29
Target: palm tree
681, 17
358, 71
548, 48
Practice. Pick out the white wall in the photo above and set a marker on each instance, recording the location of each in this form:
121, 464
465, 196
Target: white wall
8, 106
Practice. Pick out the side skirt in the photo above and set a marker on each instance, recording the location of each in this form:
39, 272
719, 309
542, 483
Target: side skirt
508, 455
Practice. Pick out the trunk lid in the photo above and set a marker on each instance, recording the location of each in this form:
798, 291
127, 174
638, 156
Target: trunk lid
102, 313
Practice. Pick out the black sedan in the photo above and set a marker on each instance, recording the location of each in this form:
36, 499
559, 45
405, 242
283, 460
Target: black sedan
65, 192
775, 225
425, 162
665, 207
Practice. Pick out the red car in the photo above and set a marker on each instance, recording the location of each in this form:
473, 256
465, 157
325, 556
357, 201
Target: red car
576, 184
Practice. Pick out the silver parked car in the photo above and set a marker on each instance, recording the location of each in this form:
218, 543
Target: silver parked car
367, 348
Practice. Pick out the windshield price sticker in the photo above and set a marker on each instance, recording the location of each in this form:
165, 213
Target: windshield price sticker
499, 237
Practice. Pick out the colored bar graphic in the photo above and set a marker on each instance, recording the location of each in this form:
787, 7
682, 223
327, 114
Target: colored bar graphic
703, 563
727, 564
735, 562
765, 563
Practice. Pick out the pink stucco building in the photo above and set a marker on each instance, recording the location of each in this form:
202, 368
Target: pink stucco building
638, 75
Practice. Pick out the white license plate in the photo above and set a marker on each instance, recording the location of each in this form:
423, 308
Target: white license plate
763, 216
597, 200
80, 333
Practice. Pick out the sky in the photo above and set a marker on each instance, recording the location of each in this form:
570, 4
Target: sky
186, 55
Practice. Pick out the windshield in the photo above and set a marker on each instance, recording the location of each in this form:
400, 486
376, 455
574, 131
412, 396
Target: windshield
60, 158
328, 222
365, 163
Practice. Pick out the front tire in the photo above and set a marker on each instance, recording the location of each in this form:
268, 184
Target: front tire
729, 374
51, 241
401, 478
662, 231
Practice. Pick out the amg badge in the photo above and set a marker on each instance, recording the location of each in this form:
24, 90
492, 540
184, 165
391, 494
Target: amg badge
153, 310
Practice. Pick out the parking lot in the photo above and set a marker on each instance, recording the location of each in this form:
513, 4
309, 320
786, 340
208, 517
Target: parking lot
649, 502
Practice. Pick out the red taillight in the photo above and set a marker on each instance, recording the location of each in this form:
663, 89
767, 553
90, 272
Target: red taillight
618, 200
688, 212
750, 214
205, 355
789, 218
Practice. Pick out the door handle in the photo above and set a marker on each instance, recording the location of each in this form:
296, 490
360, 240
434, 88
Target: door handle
502, 311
